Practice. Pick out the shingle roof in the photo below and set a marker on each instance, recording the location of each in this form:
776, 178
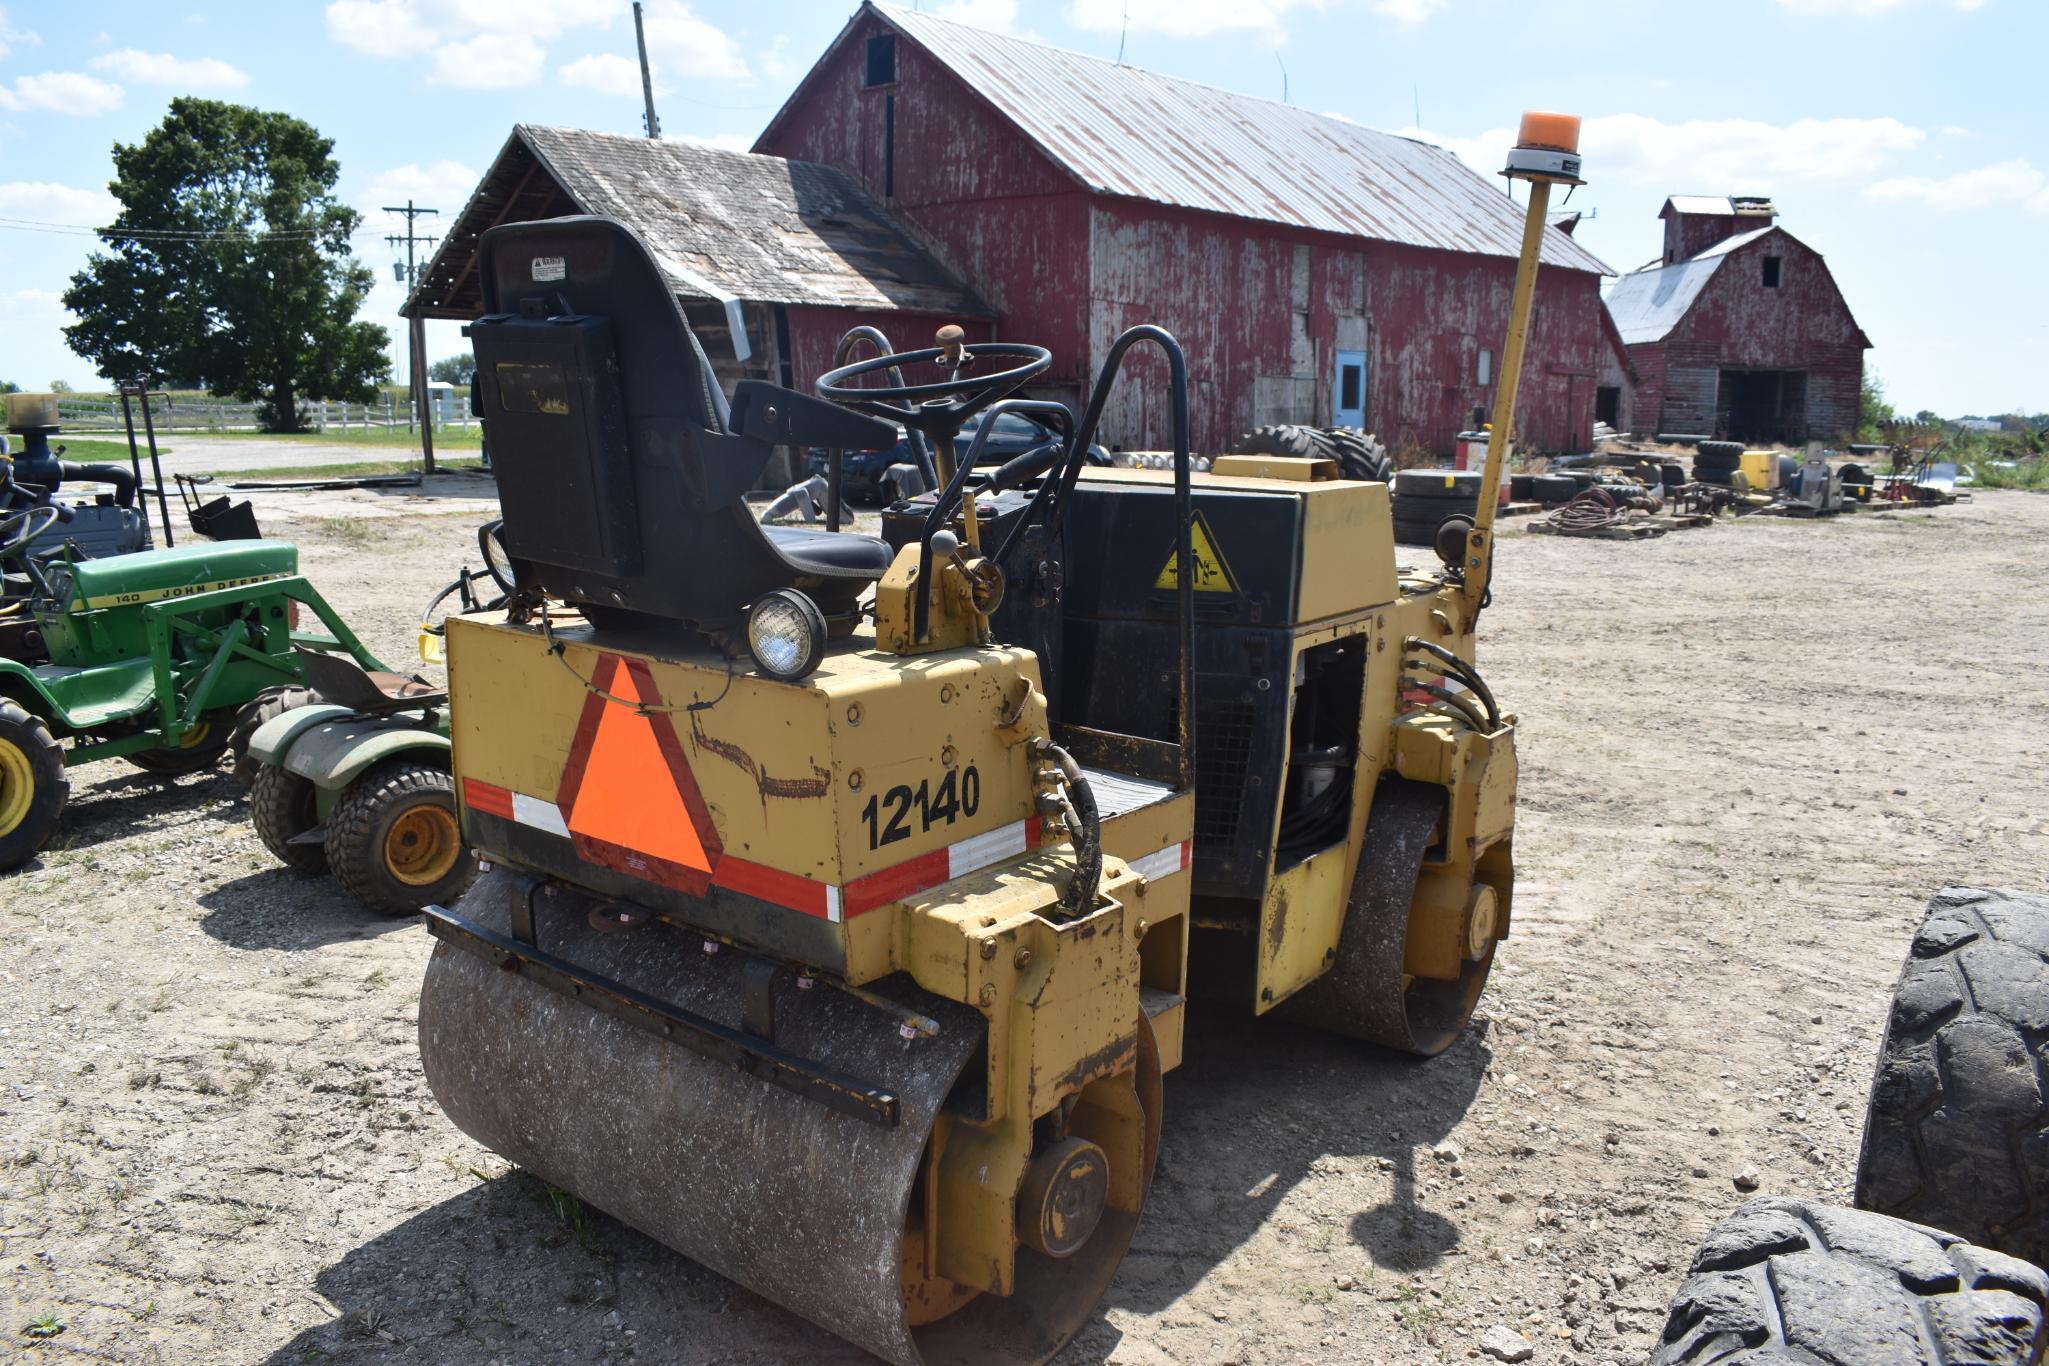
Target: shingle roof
721, 223
1647, 304
1124, 131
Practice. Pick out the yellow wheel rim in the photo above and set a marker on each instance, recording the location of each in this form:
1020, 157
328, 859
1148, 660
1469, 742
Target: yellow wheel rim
423, 844
17, 787
194, 738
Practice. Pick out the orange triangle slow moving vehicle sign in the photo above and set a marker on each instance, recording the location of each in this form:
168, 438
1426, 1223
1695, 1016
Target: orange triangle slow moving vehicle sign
628, 796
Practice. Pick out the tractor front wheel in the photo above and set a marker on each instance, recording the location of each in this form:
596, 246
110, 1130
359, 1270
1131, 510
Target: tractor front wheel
394, 841
283, 806
197, 750
33, 786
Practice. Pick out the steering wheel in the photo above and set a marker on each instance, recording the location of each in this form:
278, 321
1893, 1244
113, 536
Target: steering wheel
939, 408
18, 530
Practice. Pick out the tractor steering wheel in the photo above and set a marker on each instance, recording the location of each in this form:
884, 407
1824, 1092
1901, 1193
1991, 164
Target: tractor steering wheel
17, 530
941, 407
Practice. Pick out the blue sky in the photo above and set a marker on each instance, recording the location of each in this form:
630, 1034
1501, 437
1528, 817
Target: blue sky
1907, 140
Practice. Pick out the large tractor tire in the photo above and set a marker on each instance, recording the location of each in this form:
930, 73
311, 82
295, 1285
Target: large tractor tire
283, 806
267, 705
1791, 1281
1957, 1134
199, 749
1357, 454
394, 841
33, 786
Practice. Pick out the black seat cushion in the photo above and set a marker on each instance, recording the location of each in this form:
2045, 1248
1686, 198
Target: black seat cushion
832, 553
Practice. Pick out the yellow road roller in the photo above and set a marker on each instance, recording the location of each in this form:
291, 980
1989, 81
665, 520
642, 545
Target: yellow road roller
845, 893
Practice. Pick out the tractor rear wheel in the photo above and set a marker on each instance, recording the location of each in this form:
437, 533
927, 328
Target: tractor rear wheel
1957, 1133
266, 706
1785, 1280
394, 841
33, 785
283, 806
198, 750
1357, 454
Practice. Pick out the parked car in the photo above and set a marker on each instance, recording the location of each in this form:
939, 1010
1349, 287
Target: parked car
863, 474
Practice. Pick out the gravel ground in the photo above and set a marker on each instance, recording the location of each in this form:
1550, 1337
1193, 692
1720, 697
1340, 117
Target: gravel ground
1748, 754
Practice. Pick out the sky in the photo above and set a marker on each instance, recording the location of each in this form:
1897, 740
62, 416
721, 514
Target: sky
1906, 140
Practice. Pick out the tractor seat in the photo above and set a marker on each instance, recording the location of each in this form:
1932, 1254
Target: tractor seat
835, 553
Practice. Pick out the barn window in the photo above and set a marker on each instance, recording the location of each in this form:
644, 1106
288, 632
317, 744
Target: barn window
882, 59
1350, 379
1771, 272
1486, 369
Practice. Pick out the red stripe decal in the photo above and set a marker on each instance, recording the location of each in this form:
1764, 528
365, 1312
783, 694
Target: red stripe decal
646, 867
487, 797
772, 885
894, 884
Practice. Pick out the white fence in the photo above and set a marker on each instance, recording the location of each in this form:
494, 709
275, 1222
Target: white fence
184, 413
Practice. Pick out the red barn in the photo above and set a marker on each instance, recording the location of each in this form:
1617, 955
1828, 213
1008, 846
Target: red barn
1314, 270
1740, 330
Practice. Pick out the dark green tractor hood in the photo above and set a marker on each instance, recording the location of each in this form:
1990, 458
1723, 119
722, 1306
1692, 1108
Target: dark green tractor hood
153, 575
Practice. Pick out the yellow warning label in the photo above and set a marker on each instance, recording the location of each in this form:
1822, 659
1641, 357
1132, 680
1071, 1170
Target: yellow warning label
1212, 575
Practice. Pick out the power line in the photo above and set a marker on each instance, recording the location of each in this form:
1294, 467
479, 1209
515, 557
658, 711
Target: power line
159, 234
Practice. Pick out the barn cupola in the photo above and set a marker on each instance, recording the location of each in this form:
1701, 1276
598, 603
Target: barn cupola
1695, 222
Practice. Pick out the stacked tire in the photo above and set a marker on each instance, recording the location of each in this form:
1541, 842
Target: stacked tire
1357, 454
1952, 1180
1716, 462
1425, 499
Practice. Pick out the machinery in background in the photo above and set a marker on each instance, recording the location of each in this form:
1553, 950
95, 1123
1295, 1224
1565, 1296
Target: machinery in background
847, 958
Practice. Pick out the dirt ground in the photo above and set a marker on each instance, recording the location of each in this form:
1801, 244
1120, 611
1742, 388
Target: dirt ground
1749, 752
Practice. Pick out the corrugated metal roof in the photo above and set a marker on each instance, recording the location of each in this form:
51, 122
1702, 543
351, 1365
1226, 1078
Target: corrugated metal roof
1125, 131
721, 224
1647, 304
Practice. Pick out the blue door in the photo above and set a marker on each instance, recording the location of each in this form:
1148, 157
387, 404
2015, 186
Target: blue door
1348, 396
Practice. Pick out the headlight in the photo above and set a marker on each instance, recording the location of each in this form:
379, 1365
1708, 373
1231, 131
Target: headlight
785, 634
491, 545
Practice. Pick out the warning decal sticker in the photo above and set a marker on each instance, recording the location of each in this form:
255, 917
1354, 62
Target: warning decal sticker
1212, 575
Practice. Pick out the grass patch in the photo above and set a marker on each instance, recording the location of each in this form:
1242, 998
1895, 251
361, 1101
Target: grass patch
2032, 475
356, 531
349, 469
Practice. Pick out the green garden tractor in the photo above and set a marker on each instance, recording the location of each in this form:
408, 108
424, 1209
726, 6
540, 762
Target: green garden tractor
165, 658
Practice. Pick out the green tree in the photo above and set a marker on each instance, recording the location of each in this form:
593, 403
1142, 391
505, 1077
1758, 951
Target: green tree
229, 262
452, 369
1874, 414
8, 386
58, 386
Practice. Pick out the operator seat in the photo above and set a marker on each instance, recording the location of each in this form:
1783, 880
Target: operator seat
621, 467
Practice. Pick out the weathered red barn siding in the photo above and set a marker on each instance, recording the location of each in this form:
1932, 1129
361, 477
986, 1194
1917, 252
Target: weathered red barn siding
815, 333
1260, 309
1736, 323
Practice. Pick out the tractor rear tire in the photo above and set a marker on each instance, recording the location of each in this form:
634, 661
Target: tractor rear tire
394, 840
266, 706
1291, 439
1726, 453
1555, 488
1360, 456
1785, 1280
1957, 1132
282, 806
33, 786
201, 750
1416, 531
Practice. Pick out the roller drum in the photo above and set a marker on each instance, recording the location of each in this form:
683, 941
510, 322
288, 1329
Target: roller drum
801, 1203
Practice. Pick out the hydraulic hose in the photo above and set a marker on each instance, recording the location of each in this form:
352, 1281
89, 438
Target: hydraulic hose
1087, 830
1459, 670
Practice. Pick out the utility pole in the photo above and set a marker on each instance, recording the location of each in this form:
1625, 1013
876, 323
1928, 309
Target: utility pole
416, 328
647, 84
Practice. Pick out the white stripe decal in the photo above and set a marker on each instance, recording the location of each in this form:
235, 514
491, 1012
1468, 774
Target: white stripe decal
539, 814
832, 903
1164, 863
979, 851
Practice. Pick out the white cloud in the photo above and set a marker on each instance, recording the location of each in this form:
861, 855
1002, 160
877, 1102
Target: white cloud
605, 71
997, 16
1713, 156
1407, 11
489, 61
12, 34
45, 201
62, 92
36, 301
730, 142
2005, 182
1868, 7
413, 28
379, 28
444, 185
681, 44
161, 68
1180, 18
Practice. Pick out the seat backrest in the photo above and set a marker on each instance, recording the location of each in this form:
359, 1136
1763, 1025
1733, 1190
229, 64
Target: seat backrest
621, 479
